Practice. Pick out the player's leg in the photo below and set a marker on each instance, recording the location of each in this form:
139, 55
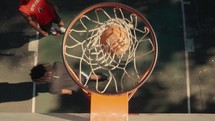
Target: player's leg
60, 23
48, 28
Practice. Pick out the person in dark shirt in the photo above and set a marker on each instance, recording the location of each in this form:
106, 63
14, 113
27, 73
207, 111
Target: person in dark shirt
57, 77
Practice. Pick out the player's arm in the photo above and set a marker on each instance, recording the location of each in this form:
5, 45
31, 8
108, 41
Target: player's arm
53, 6
94, 77
99, 76
34, 24
66, 91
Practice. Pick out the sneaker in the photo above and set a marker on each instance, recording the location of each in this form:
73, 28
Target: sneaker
53, 31
62, 30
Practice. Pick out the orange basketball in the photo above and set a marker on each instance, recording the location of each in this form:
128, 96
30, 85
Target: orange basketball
115, 40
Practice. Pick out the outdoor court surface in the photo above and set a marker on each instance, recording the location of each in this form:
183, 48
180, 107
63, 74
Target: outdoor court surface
85, 117
180, 84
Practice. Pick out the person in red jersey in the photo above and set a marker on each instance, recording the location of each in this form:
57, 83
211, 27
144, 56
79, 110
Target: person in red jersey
42, 13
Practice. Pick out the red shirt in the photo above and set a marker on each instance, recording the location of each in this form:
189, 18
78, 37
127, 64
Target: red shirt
38, 9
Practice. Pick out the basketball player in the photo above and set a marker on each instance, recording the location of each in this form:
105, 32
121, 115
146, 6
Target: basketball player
44, 13
58, 78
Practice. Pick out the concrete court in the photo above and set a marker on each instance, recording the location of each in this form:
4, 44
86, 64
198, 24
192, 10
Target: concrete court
166, 90
85, 117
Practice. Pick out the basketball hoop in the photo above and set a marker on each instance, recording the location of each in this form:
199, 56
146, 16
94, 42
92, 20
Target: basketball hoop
85, 50
117, 41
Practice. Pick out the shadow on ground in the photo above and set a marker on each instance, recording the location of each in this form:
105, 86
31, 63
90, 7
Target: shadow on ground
11, 40
10, 92
75, 103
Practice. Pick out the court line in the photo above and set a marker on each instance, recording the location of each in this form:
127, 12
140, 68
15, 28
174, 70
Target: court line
33, 46
186, 58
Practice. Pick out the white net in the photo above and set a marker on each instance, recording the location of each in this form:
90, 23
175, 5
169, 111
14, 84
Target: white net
83, 50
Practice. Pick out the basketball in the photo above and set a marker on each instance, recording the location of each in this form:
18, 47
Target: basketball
115, 40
